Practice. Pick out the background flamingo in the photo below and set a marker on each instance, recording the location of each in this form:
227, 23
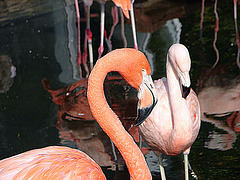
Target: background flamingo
173, 125
125, 5
69, 163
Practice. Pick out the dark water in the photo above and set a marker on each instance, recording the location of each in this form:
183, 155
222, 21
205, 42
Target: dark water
39, 39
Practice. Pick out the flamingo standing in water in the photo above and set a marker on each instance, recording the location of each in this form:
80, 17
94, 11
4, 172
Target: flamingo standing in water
173, 125
126, 6
65, 163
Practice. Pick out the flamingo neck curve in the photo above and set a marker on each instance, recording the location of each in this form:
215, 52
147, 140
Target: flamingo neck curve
181, 118
110, 123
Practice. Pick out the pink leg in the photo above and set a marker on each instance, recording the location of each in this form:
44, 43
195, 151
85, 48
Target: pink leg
85, 52
122, 29
89, 39
114, 13
215, 37
101, 48
235, 8
134, 28
79, 47
107, 41
236, 30
88, 36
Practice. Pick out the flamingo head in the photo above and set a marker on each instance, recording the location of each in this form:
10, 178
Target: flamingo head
147, 98
135, 69
179, 58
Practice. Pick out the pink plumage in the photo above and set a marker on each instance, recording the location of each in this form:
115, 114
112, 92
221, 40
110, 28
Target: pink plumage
52, 162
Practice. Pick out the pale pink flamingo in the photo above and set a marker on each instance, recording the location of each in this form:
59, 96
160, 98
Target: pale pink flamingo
173, 125
65, 163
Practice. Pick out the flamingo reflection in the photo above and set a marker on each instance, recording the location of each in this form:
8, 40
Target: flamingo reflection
219, 100
66, 163
125, 5
216, 29
220, 105
77, 125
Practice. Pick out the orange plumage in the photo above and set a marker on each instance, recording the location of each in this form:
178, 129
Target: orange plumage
50, 163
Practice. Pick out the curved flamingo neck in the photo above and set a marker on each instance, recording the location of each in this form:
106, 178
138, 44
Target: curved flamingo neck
109, 121
181, 116
173, 82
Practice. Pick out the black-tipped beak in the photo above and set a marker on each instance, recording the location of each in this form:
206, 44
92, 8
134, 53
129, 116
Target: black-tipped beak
146, 98
143, 113
186, 91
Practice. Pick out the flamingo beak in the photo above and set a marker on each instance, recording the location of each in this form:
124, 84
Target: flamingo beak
147, 99
185, 91
186, 83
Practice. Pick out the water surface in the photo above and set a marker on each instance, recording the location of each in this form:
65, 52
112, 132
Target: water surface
39, 40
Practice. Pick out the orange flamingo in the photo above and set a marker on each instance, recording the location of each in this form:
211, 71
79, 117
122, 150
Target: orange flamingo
173, 125
61, 162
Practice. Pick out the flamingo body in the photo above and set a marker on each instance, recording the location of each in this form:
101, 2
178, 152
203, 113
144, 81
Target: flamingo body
53, 162
173, 125
160, 122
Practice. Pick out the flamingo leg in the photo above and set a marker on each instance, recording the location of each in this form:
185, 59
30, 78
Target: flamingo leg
114, 13
79, 44
122, 29
107, 41
162, 171
89, 37
134, 28
101, 48
140, 141
114, 151
90, 49
215, 35
84, 58
236, 29
186, 166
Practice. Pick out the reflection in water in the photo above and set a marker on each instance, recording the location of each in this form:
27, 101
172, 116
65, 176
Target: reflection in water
41, 39
215, 35
236, 30
220, 103
88, 36
88, 137
72, 100
79, 129
220, 106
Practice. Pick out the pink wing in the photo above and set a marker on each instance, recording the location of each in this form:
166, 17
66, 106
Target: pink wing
194, 107
54, 162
